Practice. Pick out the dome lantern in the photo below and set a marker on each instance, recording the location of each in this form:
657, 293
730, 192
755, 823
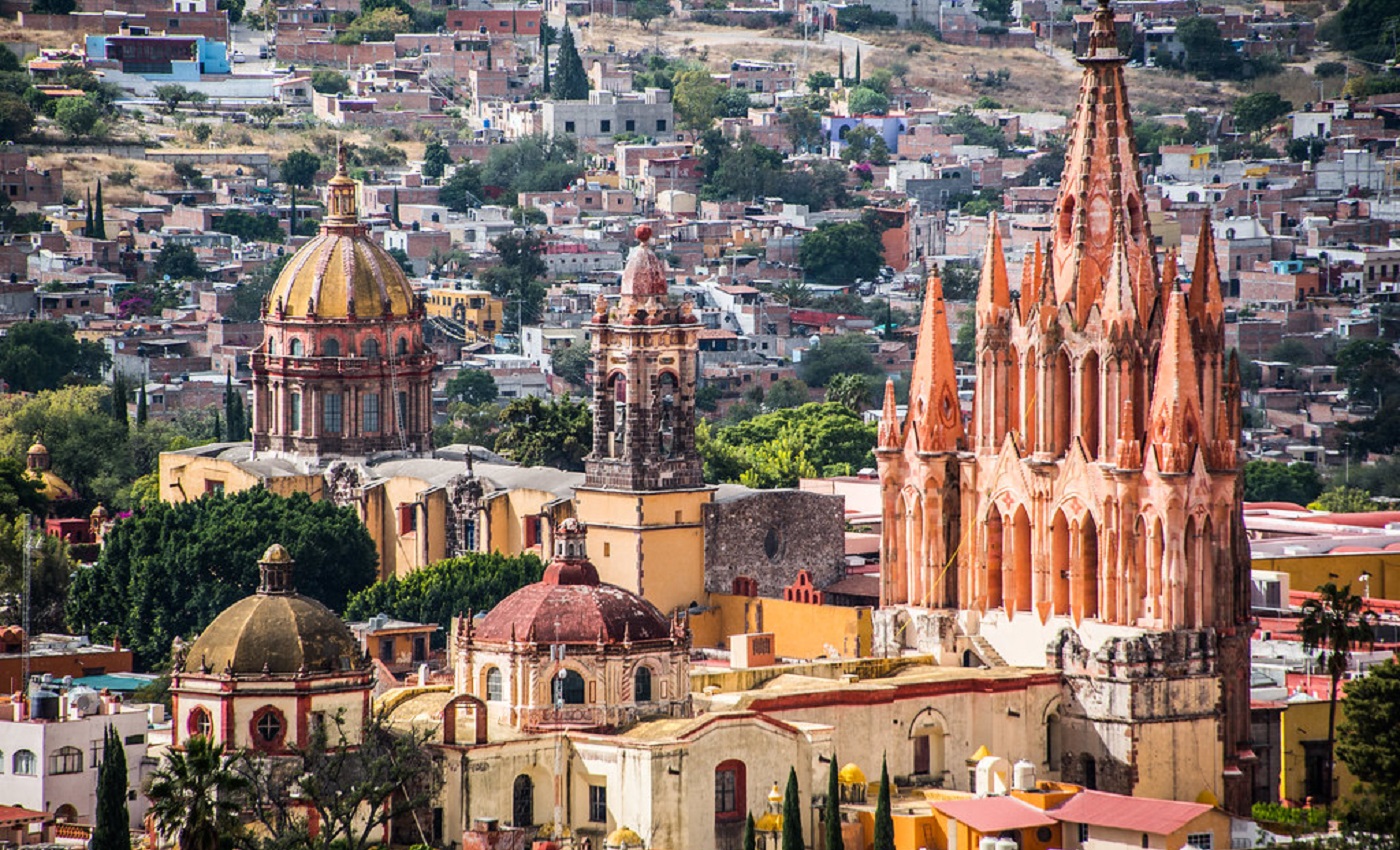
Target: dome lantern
275, 569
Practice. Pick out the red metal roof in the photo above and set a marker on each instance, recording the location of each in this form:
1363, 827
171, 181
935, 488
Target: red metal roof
12, 815
1139, 814
994, 814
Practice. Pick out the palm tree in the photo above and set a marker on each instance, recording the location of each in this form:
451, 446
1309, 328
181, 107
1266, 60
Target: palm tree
195, 795
1336, 622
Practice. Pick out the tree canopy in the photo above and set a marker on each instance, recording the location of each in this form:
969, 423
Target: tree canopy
442, 590
474, 386
837, 355
167, 571
1270, 481
38, 356
776, 449
1368, 740
570, 79
536, 432
1257, 111
840, 253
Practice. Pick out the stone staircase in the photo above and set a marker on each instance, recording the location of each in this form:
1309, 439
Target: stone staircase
986, 651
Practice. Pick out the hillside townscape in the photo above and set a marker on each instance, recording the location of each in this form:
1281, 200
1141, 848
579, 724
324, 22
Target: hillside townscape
504, 424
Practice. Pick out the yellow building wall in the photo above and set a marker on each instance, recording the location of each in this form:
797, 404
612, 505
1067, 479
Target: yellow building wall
1310, 573
1178, 760
444, 302
184, 478
799, 630
652, 544
1307, 721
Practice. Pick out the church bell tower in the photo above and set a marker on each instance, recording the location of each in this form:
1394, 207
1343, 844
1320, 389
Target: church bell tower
644, 490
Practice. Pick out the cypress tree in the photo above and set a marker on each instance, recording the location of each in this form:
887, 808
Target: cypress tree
141, 405
218, 428
750, 837
489, 63
87, 223
792, 815
112, 830
99, 214
857, 66
121, 392
545, 53
394, 208
570, 82
831, 812
841, 64
884, 823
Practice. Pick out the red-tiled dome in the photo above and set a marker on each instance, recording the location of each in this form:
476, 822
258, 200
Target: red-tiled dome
645, 273
570, 605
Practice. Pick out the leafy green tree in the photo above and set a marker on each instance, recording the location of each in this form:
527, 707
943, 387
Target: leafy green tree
1370, 369
1334, 625
234, 8
141, 407
250, 292
167, 572
444, 589
964, 122
1257, 111
177, 262
787, 392
646, 11
696, 97
45, 355
536, 432
298, 171
1365, 28
534, 163
51, 566
19, 493
78, 116
852, 391
171, 95
995, 11
517, 278
473, 386
744, 170
1326, 70
840, 253
820, 80
831, 810
197, 795
250, 227
16, 118
571, 363
845, 354
1345, 500
1368, 740
792, 815
326, 81
263, 114
1208, 54
377, 26
775, 449
112, 830
570, 80
435, 160
9, 62
865, 144
469, 424
804, 129
884, 820
1270, 481
462, 191
863, 100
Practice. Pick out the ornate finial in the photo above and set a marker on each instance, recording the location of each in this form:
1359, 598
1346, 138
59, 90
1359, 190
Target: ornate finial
340, 154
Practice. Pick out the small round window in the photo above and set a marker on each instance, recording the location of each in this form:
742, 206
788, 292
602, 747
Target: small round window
268, 727
772, 544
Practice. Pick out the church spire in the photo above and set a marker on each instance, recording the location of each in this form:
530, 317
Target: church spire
994, 293
1175, 427
1205, 303
1031, 271
889, 419
935, 413
1119, 300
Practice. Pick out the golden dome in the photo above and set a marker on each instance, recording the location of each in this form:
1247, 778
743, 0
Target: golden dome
851, 775
775, 796
623, 837
275, 631
341, 272
277, 634
38, 450
55, 489
769, 822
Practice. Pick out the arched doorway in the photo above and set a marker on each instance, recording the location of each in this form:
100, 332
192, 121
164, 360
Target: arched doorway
523, 802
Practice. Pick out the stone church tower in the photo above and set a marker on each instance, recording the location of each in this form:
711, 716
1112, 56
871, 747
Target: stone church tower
1099, 523
342, 369
644, 492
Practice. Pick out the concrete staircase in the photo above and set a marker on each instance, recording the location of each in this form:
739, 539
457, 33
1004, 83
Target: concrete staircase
986, 651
